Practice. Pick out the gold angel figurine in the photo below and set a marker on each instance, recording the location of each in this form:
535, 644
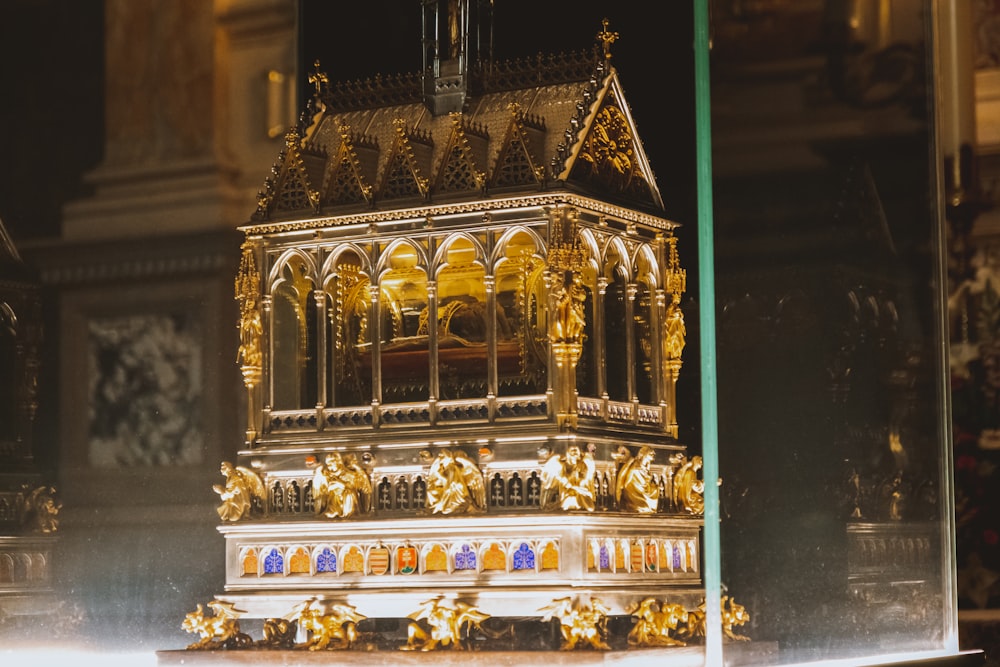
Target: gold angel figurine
241, 487
341, 487
568, 481
688, 489
635, 488
455, 484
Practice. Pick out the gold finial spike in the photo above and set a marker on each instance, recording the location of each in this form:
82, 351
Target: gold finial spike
319, 79
607, 39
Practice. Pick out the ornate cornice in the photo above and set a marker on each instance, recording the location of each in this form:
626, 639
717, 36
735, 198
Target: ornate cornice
477, 206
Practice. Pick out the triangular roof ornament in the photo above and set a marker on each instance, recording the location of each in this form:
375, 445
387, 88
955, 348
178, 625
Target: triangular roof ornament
345, 180
459, 170
402, 177
288, 188
515, 164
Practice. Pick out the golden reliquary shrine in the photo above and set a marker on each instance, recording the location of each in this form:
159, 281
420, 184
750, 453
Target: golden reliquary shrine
460, 337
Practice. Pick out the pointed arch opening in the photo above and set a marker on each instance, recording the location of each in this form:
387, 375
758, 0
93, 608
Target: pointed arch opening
462, 320
348, 331
294, 353
521, 339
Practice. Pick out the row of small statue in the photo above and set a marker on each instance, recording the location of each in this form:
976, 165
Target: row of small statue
341, 488
444, 622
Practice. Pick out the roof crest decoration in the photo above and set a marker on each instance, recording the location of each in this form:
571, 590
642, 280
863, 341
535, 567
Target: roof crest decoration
316, 106
607, 39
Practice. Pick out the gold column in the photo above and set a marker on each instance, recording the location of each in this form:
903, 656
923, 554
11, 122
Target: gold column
251, 327
321, 354
567, 314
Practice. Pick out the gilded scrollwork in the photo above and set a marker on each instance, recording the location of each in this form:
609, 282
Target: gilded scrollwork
636, 489
455, 484
249, 355
446, 622
568, 481
733, 615
239, 492
657, 623
582, 623
328, 625
278, 633
218, 631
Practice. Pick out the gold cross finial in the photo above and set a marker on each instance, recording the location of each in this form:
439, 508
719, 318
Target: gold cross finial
318, 79
607, 39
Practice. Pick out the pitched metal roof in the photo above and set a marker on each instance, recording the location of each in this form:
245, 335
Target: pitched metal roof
546, 124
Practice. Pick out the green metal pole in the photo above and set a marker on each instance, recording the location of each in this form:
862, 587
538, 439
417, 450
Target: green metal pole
706, 298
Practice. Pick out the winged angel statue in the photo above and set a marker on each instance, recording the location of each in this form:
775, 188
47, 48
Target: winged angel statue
568, 481
341, 487
241, 488
455, 484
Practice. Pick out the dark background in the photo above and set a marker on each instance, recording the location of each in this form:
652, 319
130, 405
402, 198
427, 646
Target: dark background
52, 78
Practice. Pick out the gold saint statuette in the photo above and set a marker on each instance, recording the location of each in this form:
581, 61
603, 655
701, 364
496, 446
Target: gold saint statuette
455, 484
446, 623
568, 481
567, 325
241, 488
635, 488
341, 487
582, 623
688, 490
656, 623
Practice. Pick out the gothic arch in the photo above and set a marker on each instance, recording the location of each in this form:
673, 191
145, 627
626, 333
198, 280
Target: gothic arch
441, 253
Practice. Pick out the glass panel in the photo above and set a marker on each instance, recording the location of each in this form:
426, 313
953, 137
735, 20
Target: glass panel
348, 333
520, 324
293, 360
587, 366
833, 438
643, 327
404, 313
462, 323
616, 326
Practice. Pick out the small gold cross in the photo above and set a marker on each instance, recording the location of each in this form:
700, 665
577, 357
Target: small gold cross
318, 79
607, 39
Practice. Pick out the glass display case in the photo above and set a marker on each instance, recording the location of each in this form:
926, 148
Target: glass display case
836, 518
534, 370
460, 346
